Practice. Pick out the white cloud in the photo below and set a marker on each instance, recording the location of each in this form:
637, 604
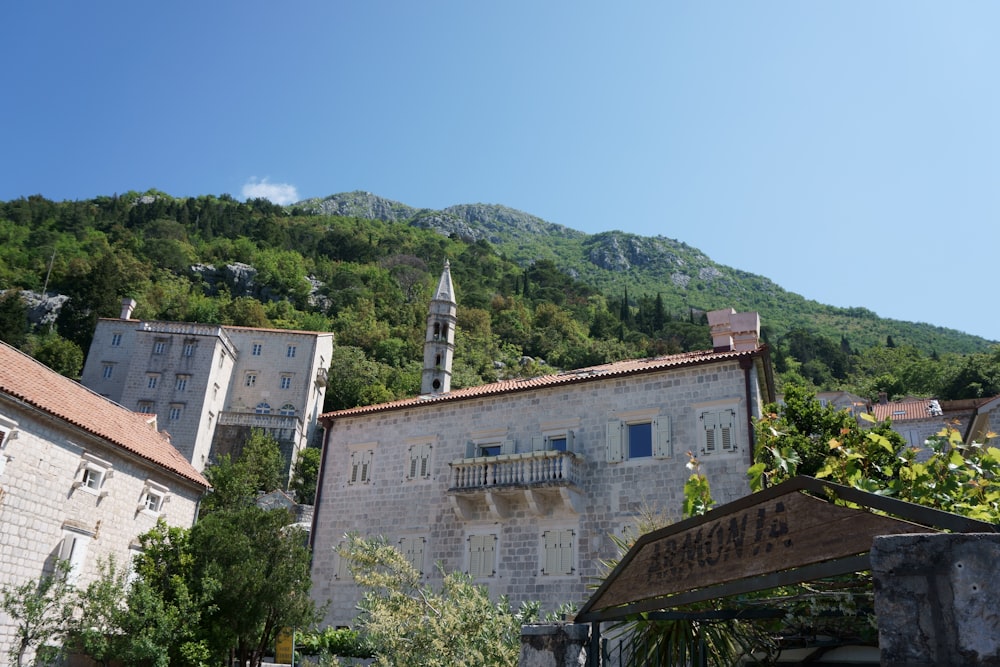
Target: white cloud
281, 194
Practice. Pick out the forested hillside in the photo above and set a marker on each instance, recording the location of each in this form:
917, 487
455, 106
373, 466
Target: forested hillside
532, 296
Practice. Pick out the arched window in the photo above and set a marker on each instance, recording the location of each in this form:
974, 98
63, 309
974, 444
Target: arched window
262, 409
287, 410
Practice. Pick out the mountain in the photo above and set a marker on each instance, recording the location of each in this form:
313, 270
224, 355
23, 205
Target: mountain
615, 261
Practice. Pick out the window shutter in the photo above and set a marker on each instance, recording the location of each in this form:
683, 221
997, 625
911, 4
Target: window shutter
355, 467
727, 423
710, 422
615, 453
413, 463
566, 552
569, 441
537, 443
551, 565
508, 446
662, 448
425, 461
470, 449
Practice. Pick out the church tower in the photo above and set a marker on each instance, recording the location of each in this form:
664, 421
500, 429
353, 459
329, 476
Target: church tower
439, 341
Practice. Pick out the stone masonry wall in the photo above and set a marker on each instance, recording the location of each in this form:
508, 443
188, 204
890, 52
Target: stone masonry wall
37, 500
611, 495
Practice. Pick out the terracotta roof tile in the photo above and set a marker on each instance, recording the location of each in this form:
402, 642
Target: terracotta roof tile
903, 410
604, 371
27, 380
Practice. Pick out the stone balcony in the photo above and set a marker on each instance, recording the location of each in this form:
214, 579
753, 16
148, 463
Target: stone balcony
541, 482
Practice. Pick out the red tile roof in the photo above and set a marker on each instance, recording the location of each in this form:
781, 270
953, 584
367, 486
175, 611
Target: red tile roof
604, 371
23, 378
903, 410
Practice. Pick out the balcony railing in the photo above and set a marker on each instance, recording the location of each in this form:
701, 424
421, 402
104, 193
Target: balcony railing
517, 470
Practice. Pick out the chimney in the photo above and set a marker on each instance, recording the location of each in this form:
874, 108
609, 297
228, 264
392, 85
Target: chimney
722, 333
128, 305
746, 331
732, 331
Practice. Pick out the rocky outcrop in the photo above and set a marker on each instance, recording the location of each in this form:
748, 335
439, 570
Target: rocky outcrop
43, 309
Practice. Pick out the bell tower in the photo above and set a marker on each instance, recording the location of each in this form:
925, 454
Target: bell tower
439, 341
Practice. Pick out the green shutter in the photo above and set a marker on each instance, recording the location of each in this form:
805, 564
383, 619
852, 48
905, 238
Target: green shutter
662, 448
615, 451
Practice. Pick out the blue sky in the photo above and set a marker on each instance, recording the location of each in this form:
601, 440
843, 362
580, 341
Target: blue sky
849, 151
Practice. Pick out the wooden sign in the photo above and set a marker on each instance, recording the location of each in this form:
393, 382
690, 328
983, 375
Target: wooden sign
780, 530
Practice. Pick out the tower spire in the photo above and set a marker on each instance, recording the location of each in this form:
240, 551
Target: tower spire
439, 341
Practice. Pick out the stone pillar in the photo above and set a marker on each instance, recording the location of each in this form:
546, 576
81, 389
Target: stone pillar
937, 599
554, 645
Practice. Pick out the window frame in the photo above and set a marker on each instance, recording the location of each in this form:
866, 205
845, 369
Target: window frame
725, 435
250, 379
481, 555
414, 550
618, 439
73, 549
153, 490
107, 370
558, 552
152, 380
175, 412
160, 346
92, 473
419, 460
180, 383
361, 466
116, 339
285, 382
290, 351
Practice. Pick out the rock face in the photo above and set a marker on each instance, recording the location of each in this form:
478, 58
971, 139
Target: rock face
43, 309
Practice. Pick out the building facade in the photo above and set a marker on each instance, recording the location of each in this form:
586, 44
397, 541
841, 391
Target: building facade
522, 483
209, 385
80, 478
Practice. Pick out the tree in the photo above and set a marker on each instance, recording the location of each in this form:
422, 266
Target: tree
306, 475
13, 318
410, 625
256, 566
237, 483
41, 611
61, 355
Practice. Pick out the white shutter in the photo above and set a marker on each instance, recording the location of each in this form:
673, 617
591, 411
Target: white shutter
615, 451
566, 551
551, 557
482, 555
414, 457
537, 443
355, 467
508, 446
662, 448
425, 461
470, 449
569, 441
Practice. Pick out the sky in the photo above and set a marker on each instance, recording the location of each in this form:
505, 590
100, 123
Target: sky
849, 151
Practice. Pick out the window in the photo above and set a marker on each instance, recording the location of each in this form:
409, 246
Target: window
482, 556
189, 349
719, 431
287, 410
108, 369
343, 572
490, 447
7, 431
73, 549
159, 347
152, 380
182, 382
290, 353
557, 442
146, 407
420, 461
361, 466
153, 497
175, 412
262, 409
412, 549
250, 380
256, 349
639, 438
116, 340
286, 381
558, 548
92, 473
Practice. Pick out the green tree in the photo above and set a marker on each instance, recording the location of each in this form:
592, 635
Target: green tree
61, 355
306, 475
237, 483
257, 567
40, 611
410, 624
13, 318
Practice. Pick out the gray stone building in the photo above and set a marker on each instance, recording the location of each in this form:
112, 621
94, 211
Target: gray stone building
80, 477
522, 483
209, 385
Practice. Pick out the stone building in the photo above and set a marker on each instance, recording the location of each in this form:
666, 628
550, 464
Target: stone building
209, 384
521, 483
80, 477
